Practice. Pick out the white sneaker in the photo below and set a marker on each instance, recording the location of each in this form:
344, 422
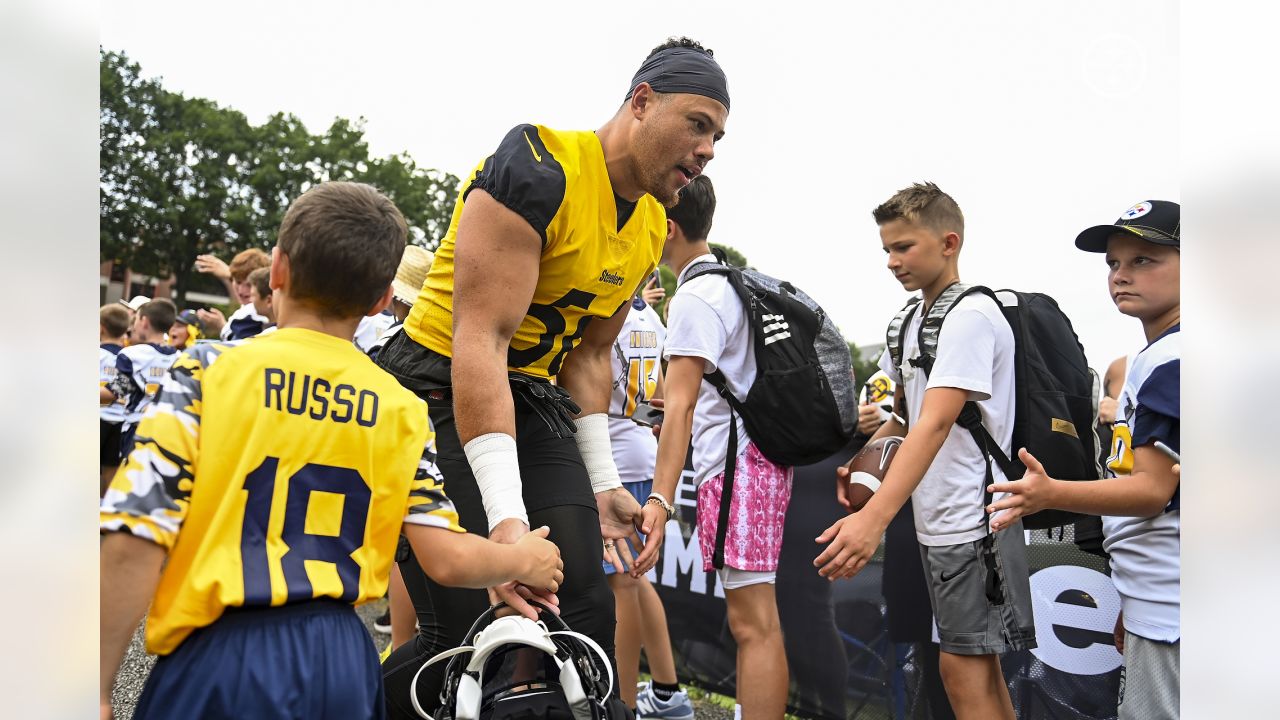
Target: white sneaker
649, 706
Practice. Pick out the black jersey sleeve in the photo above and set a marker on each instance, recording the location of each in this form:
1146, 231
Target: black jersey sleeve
524, 176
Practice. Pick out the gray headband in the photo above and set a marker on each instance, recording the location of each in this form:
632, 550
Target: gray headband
683, 70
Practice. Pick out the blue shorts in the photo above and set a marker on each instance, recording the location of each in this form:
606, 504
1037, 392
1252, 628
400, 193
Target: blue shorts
308, 660
640, 490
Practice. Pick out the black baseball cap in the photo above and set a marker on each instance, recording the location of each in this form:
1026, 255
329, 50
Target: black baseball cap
1155, 221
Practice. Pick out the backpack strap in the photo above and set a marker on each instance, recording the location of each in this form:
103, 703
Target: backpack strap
893, 335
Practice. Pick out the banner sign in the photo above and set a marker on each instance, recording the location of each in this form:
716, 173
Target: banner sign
844, 660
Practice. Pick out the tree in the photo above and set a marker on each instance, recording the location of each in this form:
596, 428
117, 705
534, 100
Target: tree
183, 176
863, 368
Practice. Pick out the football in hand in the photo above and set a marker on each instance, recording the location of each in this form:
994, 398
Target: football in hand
867, 469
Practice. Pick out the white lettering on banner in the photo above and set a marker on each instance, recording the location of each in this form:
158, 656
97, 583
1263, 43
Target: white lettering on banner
685, 559
1075, 611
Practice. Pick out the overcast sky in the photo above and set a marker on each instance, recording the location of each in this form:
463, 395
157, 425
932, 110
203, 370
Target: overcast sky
1041, 119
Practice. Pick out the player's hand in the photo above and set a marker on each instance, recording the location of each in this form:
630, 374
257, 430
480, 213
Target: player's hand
854, 539
868, 419
657, 427
620, 517
517, 597
544, 566
1030, 494
653, 293
213, 266
213, 320
654, 525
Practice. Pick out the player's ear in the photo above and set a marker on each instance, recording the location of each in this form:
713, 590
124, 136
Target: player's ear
642, 100
382, 302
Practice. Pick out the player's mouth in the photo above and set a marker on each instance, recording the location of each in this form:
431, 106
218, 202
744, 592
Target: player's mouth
688, 173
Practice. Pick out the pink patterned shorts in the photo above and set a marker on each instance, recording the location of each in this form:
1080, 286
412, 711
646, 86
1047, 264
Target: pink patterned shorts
761, 493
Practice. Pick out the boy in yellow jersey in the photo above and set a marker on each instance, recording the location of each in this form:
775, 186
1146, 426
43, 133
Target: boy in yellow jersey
267, 488
550, 238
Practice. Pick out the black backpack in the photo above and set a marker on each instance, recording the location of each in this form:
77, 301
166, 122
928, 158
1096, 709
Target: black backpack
1055, 390
800, 408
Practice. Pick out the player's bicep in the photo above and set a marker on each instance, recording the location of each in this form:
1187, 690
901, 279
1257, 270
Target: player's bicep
496, 259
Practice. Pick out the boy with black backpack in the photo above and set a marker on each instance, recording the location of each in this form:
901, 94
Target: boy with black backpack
978, 580
708, 330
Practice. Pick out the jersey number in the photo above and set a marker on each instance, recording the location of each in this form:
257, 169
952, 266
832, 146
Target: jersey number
641, 382
302, 545
553, 320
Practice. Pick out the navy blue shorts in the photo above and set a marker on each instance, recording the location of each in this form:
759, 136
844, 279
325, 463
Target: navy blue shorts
309, 660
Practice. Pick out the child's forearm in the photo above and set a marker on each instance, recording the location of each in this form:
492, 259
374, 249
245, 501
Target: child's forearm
130, 569
464, 560
912, 460
1137, 495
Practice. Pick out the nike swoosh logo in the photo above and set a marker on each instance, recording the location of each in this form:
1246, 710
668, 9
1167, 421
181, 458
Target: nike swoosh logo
952, 576
536, 156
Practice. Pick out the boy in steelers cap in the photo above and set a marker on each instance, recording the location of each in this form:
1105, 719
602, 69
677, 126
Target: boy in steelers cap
1139, 500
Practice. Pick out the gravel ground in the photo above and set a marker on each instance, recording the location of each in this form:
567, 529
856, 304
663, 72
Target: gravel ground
137, 664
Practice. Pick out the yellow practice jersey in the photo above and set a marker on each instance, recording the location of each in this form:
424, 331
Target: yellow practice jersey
277, 469
596, 249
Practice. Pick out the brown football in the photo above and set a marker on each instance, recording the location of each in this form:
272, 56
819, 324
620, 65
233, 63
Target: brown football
867, 469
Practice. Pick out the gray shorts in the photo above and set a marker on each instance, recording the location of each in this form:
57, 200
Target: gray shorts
1149, 680
981, 594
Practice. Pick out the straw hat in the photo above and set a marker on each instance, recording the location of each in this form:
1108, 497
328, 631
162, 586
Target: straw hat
412, 272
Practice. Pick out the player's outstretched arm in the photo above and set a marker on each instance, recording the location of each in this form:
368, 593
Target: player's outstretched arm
1144, 493
465, 560
130, 568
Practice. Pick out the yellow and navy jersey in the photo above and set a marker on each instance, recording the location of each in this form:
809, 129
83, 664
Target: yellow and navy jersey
114, 411
596, 248
139, 370
274, 470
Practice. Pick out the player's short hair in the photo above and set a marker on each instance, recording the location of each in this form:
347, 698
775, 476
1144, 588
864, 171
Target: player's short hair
246, 262
694, 208
260, 279
114, 319
923, 204
343, 241
160, 313
675, 42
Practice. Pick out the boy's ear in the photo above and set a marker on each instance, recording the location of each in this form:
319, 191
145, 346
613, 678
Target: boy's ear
382, 302
951, 243
279, 269
671, 230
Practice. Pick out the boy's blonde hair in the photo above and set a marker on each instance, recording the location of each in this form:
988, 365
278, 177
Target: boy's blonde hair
923, 204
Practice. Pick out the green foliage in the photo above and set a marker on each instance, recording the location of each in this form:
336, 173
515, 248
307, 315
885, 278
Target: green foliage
863, 368
181, 176
734, 257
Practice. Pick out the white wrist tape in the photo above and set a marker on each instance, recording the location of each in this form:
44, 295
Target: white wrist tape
493, 461
597, 454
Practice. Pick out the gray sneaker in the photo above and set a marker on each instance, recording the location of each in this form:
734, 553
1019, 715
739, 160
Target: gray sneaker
649, 706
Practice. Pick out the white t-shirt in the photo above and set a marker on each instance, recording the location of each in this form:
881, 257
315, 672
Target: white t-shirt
975, 353
114, 412
371, 328
636, 363
1145, 552
706, 319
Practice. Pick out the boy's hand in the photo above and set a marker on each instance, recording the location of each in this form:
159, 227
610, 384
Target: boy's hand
104, 710
854, 540
544, 567
868, 419
842, 485
213, 266
213, 320
1107, 407
653, 522
653, 292
1031, 494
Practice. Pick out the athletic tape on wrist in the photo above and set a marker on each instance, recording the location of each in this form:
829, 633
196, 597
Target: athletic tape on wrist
597, 453
494, 463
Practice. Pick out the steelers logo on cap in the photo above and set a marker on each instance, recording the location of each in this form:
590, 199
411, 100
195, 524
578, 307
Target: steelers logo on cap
1136, 211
